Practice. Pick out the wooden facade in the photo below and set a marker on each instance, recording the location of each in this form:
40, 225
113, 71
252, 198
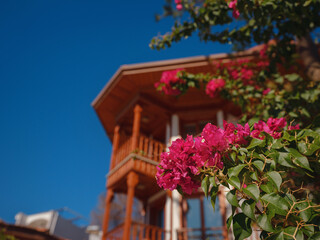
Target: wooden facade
141, 123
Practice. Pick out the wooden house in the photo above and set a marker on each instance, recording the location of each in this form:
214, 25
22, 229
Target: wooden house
141, 123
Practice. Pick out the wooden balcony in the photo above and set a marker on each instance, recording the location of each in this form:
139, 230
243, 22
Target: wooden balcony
147, 148
143, 160
139, 231
213, 233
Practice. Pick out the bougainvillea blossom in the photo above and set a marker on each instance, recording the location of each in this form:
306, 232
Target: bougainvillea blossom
274, 127
168, 81
233, 5
181, 166
214, 86
178, 5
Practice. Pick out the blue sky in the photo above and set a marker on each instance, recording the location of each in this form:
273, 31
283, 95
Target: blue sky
55, 57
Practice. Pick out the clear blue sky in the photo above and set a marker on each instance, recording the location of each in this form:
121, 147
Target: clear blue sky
55, 57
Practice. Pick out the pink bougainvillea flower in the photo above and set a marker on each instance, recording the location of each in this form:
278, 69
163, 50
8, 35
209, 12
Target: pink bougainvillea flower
171, 76
179, 7
263, 64
236, 13
169, 81
177, 1
294, 127
257, 134
232, 4
276, 124
273, 127
266, 91
234, 74
214, 138
214, 86
246, 74
236, 134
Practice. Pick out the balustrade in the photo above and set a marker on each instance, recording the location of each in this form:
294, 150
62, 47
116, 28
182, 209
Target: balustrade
213, 233
147, 147
139, 231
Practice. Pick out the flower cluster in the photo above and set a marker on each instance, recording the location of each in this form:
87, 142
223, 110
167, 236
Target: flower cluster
181, 166
168, 81
178, 5
273, 127
233, 5
214, 86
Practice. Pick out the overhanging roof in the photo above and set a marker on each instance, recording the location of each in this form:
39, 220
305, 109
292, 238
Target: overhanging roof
134, 79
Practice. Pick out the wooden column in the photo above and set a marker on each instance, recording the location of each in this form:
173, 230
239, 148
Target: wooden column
105, 225
223, 212
203, 227
115, 145
132, 181
136, 126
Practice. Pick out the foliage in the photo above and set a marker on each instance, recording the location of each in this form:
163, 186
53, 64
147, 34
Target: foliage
260, 95
270, 167
265, 168
4, 236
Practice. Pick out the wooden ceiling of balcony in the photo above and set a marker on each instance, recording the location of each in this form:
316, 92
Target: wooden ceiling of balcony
134, 83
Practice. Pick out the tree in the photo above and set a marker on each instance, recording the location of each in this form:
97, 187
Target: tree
271, 162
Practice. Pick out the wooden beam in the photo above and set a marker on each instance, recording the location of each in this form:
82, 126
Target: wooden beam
132, 181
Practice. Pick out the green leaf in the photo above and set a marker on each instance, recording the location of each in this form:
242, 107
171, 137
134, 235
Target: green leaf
236, 170
315, 236
268, 187
241, 226
279, 204
258, 164
285, 159
308, 230
229, 221
252, 190
233, 156
254, 176
306, 213
235, 182
277, 236
256, 142
248, 207
275, 178
232, 198
277, 144
205, 184
212, 181
265, 223
299, 159
308, 149
299, 235
292, 77
213, 194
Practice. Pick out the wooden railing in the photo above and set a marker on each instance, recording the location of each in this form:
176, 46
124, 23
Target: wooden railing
123, 150
147, 147
150, 148
213, 233
116, 233
139, 231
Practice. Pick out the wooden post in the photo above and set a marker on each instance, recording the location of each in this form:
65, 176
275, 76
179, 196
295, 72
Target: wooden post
203, 230
132, 181
223, 211
105, 225
115, 143
136, 126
